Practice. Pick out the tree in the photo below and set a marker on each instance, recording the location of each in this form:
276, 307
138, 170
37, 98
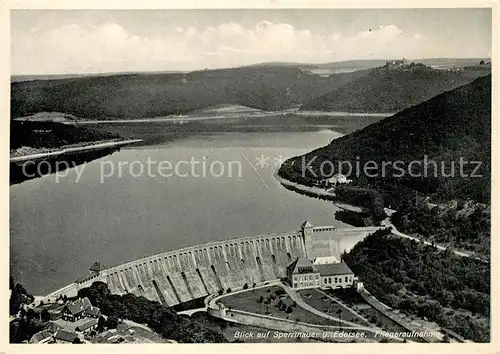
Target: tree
342, 256
245, 286
45, 315
260, 299
221, 291
112, 322
30, 314
228, 290
19, 297
101, 323
289, 309
339, 313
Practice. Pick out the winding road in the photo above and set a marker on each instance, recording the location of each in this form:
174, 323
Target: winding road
212, 300
387, 223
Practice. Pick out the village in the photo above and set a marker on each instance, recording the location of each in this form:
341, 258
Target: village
80, 322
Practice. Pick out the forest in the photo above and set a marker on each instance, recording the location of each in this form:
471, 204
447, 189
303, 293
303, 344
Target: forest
463, 225
423, 281
132, 96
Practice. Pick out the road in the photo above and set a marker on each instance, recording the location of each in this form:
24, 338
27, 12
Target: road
298, 299
212, 300
395, 231
190, 312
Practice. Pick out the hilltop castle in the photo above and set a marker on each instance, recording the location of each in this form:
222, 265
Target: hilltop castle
397, 64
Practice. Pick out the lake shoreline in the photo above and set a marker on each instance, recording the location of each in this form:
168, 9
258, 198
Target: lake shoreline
232, 115
355, 211
74, 149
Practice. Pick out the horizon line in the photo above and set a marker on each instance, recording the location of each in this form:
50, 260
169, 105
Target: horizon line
236, 67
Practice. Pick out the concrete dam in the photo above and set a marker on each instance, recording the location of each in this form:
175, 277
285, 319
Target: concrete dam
194, 272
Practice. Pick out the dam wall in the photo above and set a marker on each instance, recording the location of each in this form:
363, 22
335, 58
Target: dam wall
190, 273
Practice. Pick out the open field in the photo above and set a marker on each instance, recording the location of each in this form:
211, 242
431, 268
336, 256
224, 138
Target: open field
249, 301
355, 301
321, 302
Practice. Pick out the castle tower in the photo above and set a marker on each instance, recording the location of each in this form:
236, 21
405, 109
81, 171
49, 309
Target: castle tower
307, 234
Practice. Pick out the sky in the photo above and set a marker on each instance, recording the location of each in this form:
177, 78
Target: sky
99, 41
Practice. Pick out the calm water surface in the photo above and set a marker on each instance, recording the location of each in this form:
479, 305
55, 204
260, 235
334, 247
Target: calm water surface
59, 228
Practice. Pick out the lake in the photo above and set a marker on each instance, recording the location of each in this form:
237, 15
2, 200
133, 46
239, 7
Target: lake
61, 225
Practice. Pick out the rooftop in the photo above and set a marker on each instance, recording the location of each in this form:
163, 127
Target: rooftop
325, 260
38, 337
52, 327
79, 306
65, 336
333, 269
306, 224
302, 265
87, 324
96, 267
93, 311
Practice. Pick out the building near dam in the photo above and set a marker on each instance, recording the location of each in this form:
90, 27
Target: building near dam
304, 274
194, 272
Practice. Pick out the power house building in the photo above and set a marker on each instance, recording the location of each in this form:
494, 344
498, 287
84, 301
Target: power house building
304, 274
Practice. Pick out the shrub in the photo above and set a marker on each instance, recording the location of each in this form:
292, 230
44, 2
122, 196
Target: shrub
112, 322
